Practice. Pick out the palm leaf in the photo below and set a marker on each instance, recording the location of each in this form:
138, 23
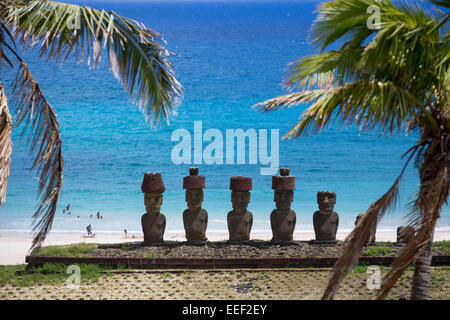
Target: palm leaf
39, 119
367, 104
442, 3
356, 239
392, 79
433, 193
3, 43
5, 143
137, 57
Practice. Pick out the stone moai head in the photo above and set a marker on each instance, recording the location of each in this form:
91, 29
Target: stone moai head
358, 217
284, 186
153, 188
194, 185
240, 192
326, 201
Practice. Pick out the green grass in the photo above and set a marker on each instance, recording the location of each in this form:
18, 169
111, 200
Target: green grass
72, 250
17, 275
126, 246
385, 242
444, 246
362, 268
377, 251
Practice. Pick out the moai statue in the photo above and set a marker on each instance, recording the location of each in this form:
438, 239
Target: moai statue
153, 222
326, 221
283, 219
195, 219
405, 233
240, 220
371, 238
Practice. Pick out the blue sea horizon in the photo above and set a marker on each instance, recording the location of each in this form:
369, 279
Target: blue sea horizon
228, 57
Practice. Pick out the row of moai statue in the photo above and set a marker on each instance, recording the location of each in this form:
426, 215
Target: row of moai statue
240, 220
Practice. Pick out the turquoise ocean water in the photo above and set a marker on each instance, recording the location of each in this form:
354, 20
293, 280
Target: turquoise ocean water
229, 56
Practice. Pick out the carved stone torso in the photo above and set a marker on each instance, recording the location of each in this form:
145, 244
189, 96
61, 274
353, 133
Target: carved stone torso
195, 223
153, 226
283, 224
239, 225
325, 225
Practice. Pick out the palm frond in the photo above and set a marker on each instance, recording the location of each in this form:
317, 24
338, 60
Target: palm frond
391, 79
367, 104
5, 143
41, 126
326, 69
137, 57
3, 56
442, 3
356, 239
345, 19
433, 193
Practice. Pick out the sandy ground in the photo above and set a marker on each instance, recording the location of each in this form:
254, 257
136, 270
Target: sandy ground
14, 246
286, 284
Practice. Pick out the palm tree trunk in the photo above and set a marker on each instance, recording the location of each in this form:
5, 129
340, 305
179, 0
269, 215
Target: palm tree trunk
422, 268
433, 193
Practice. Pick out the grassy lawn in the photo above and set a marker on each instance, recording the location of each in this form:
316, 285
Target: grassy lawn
48, 282
443, 246
18, 275
377, 251
88, 249
71, 250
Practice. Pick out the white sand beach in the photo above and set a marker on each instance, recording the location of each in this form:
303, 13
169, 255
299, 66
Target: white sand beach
14, 245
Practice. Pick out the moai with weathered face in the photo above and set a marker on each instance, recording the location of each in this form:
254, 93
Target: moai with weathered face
405, 233
283, 219
371, 238
240, 220
195, 219
326, 221
153, 221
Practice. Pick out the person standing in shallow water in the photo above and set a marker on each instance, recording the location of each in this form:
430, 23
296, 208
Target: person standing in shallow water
325, 220
195, 219
153, 221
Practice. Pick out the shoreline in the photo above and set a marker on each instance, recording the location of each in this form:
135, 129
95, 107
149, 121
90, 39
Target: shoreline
14, 244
